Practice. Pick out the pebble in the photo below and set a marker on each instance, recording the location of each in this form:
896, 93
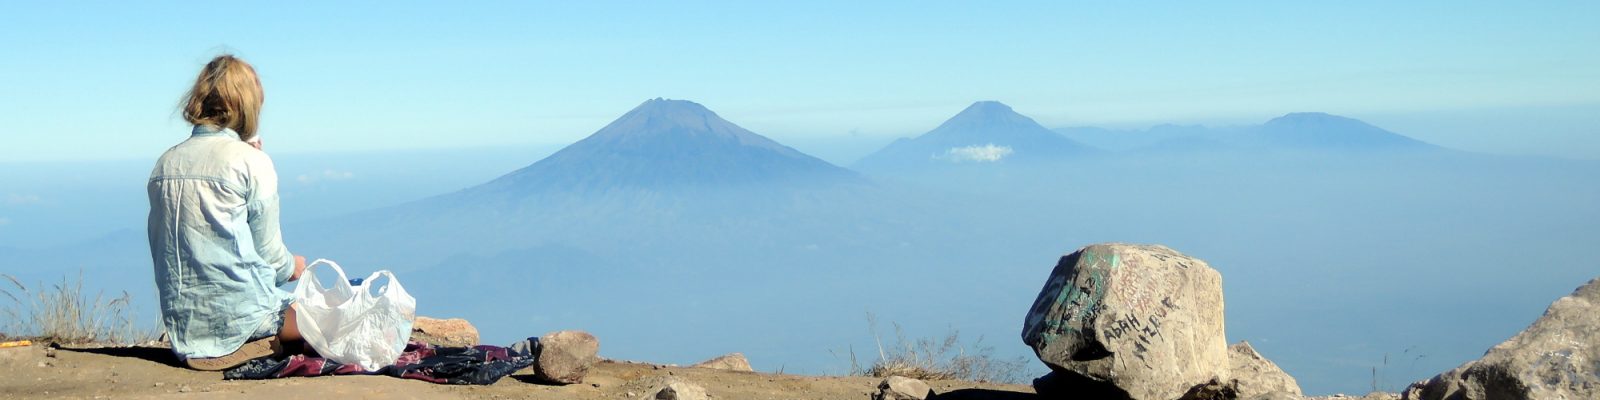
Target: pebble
160, 384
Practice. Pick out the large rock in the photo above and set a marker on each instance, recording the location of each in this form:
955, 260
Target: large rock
1256, 375
902, 388
1142, 319
727, 362
1556, 358
566, 356
454, 332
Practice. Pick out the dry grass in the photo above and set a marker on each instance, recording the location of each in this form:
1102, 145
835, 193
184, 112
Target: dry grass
63, 314
942, 359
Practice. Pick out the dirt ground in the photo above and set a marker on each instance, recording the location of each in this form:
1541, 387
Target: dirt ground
147, 372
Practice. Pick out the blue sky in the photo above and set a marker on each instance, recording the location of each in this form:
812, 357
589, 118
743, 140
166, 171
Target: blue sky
101, 80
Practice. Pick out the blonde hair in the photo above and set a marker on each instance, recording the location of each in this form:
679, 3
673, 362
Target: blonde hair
227, 94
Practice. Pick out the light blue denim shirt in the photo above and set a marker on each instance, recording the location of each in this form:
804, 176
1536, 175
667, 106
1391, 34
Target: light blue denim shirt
214, 238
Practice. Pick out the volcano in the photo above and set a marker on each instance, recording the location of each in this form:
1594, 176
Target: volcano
987, 132
668, 145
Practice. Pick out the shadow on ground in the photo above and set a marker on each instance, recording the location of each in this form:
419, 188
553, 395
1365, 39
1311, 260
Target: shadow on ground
157, 355
983, 394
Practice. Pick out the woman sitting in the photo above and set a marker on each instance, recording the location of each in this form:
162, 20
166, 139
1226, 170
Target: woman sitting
214, 237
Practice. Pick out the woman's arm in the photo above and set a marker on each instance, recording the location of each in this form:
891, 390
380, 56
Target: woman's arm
263, 219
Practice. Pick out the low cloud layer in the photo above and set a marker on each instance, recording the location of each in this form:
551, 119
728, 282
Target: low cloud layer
325, 175
984, 153
22, 199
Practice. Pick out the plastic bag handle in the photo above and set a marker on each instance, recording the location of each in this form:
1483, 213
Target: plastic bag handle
367, 291
344, 282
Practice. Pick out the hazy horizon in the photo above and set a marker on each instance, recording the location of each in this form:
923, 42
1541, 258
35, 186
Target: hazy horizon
1387, 188
348, 77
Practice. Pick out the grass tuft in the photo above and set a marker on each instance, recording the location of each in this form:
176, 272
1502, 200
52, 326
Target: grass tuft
62, 313
938, 359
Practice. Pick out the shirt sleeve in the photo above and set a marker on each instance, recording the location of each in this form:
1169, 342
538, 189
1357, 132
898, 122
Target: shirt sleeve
263, 219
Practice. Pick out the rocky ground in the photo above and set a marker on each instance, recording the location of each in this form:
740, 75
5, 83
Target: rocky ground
145, 372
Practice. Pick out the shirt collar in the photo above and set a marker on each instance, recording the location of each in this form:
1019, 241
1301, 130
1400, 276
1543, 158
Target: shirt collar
209, 130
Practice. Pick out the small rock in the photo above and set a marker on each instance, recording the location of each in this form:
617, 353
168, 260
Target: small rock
566, 356
1257, 375
674, 388
727, 362
183, 389
902, 388
1272, 396
454, 332
159, 384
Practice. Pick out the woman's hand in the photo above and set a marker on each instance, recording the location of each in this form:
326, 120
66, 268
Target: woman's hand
299, 266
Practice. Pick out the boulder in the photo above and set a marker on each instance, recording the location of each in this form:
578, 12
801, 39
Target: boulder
1142, 319
1256, 375
726, 362
566, 356
1558, 357
902, 388
454, 332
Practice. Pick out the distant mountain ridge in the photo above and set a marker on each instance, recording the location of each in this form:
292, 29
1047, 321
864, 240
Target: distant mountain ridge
986, 132
1313, 130
1300, 131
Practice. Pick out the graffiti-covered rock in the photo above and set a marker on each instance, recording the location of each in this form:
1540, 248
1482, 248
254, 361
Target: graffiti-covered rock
1256, 375
1143, 320
1558, 357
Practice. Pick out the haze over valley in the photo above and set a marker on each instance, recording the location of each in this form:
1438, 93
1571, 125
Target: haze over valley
1350, 254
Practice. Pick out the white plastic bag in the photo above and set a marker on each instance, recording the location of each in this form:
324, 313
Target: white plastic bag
348, 323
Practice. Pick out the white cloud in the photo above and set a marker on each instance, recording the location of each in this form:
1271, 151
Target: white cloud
22, 199
325, 175
984, 153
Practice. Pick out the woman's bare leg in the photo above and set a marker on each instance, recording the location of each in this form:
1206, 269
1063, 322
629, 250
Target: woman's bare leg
290, 332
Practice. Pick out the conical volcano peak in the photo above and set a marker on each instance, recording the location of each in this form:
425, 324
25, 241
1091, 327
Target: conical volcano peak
989, 120
989, 112
664, 114
987, 106
663, 106
666, 143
